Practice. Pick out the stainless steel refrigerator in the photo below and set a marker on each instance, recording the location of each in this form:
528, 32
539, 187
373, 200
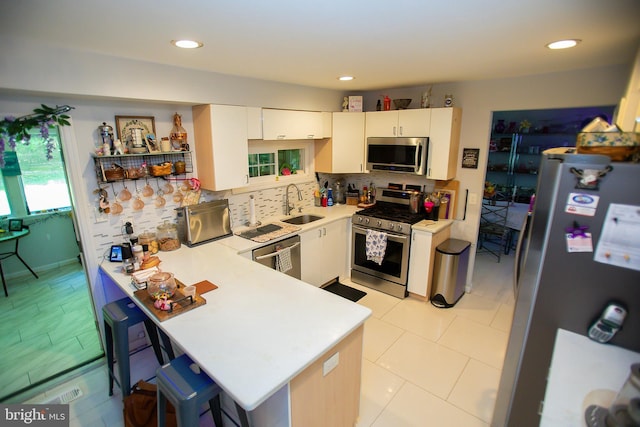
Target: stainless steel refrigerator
582, 251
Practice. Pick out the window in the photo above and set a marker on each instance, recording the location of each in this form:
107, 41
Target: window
34, 183
279, 161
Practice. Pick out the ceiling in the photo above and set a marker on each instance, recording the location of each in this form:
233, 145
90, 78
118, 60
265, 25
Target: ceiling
384, 44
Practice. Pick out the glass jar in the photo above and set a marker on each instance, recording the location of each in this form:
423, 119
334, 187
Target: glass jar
168, 237
161, 285
149, 238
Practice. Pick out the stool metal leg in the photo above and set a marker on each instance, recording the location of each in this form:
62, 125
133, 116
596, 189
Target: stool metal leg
122, 357
108, 337
152, 332
242, 414
216, 410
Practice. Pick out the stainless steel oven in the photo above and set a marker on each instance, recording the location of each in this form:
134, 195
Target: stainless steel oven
390, 276
393, 216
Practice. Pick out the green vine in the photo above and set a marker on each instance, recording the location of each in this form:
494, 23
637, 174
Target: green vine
13, 130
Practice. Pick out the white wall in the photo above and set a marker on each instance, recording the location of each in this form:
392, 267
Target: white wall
479, 99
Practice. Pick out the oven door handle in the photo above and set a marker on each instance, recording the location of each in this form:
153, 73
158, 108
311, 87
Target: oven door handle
272, 254
394, 235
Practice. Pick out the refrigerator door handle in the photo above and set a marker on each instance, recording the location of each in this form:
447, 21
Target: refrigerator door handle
517, 257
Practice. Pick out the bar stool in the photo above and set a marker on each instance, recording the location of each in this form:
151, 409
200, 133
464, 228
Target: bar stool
119, 316
183, 384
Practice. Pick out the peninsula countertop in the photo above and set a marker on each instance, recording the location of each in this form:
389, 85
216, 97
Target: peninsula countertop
259, 329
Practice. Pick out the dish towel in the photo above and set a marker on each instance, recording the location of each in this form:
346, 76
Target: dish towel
283, 260
376, 246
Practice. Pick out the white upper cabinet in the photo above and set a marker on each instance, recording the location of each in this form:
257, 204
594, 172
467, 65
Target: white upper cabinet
291, 124
398, 123
444, 142
221, 146
344, 152
254, 123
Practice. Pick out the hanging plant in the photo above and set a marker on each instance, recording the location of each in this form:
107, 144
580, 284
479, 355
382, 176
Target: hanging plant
13, 130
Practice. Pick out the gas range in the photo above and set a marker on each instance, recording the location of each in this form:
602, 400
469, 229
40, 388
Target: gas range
390, 213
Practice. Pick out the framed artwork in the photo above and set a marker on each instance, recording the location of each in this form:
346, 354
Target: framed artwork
124, 124
151, 143
470, 158
15, 225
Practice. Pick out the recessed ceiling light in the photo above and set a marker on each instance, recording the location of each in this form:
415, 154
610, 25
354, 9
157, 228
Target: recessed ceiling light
345, 78
563, 44
187, 44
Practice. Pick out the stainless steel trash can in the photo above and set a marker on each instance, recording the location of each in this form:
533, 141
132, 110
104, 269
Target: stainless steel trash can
449, 272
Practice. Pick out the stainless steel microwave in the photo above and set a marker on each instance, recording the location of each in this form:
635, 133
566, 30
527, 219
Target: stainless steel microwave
407, 155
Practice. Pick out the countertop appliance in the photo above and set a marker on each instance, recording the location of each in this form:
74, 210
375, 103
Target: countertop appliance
391, 215
406, 155
269, 255
203, 222
582, 253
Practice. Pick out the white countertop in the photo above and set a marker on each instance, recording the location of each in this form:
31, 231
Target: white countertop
259, 329
431, 226
582, 372
329, 214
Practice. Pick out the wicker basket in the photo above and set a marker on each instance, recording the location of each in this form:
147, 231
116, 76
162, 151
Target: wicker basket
160, 170
617, 154
115, 173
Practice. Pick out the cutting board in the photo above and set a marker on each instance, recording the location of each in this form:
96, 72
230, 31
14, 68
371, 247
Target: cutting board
451, 187
182, 304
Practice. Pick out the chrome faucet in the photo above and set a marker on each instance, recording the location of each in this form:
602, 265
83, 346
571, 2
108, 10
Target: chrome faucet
288, 207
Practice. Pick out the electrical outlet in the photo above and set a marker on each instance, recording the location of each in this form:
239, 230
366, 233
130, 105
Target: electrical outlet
473, 198
100, 216
330, 364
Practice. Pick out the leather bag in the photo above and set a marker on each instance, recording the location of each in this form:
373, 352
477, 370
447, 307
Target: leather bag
141, 407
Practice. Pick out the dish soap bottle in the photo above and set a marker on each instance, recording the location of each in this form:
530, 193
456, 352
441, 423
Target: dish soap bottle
329, 197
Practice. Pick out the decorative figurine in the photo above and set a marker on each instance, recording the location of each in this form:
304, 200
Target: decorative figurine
425, 102
345, 104
119, 148
178, 134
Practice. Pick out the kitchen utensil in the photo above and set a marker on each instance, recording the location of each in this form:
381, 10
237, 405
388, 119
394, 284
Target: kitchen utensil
167, 188
147, 191
138, 204
177, 197
415, 202
160, 201
125, 194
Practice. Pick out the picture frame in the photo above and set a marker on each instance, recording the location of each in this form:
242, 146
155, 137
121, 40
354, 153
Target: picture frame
125, 123
152, 143
470, 158
15, 225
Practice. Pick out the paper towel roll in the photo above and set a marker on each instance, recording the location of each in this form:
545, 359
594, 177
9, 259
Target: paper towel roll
252, 211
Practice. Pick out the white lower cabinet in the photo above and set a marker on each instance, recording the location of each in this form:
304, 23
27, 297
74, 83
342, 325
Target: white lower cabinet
323, 252
421, 257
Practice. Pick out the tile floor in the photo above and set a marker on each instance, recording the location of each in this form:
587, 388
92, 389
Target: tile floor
46, 326
422, 365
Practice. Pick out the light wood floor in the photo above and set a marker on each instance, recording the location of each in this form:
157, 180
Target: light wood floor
47, 327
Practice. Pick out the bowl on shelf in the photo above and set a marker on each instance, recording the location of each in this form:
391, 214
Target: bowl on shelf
402, 104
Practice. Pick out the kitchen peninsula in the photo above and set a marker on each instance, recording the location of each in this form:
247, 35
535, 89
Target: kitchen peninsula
270, 341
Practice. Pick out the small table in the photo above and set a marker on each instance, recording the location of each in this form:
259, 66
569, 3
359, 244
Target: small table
5, 237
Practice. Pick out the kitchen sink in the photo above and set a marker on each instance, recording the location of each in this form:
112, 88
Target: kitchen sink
302, 219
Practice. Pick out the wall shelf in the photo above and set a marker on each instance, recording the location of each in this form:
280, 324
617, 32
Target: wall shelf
131, 162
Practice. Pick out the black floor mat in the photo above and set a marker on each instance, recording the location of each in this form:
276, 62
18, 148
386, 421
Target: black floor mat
345, 291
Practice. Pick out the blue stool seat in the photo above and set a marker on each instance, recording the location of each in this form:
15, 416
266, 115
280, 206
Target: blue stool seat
187, 388
118, 317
